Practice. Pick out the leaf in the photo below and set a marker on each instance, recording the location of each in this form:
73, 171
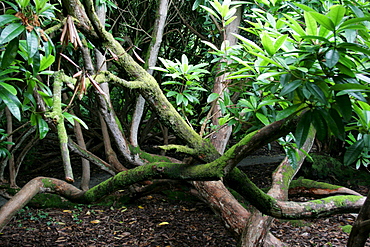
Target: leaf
353, 152
9, 88
163, 223
323, 20
290, 87
344, 106
268, 44
262, 118
293, 24
320, 125
303, 128
336, 14
11, 102
287, 112
5, 19
36, 63
249, 43
350, 86
46, 62
311, 24
10, 32
10, 53
212, 97
42, 126
332, 58
32, 43
95, 221
317, 92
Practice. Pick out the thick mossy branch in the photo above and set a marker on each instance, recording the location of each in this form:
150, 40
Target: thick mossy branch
268, 205
57, 116
311, 187
179, 149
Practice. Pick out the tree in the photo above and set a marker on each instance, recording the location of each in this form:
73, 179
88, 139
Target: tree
293, 80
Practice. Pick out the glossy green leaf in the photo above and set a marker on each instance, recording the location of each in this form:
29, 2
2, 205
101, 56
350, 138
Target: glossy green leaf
42, 126
302, 129
5, 19
344, 106
323, 20
11, 31
293, 24
290, 87
287, 112
9, 88
11, 102
311, 24
36, 63
212, 97
333, 113
304, 7
350, 86
46, 62
317, 92
332, 58
10, 53
268, 44
32, 42
353, 152
280, 41
262, 118
179, 99
336, 14
320, 125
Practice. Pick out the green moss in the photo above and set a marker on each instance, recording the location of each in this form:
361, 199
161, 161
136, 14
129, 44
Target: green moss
148, 157
346, 228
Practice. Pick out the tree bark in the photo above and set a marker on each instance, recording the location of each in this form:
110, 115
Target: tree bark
11, 164
361, 228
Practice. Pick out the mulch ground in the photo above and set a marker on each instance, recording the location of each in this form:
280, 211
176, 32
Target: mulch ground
158, 221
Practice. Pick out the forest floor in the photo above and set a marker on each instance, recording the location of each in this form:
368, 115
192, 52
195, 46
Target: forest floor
159, 220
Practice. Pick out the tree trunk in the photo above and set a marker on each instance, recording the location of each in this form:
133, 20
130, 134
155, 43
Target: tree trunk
152, 57
361, 228
11, 164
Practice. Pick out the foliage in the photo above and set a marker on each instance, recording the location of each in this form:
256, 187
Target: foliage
309, 64
28, 51
3, 144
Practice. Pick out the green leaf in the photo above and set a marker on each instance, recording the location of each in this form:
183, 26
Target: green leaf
287, 112
323, 20
10, 32
332, 58
72, 118
268, 43
210, 11
36, 63
249, 43
42, 126
268, 60
262, 118
9, 88
336, 14
338, 122
293, 24
311, 24
5, 19
317, 92
179, 99
212, 97
344, 106
350, 86
303, 128
290, 87
32, 43
280, 41
10, 53
46, 62
11, 102
230, 20
304, 7
320, 125
353, 152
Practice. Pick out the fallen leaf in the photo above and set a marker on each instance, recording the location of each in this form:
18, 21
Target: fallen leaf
141, 207
67, 211
95, 221
163, 223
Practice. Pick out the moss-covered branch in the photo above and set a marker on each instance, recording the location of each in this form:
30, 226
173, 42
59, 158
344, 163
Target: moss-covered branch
57, 116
